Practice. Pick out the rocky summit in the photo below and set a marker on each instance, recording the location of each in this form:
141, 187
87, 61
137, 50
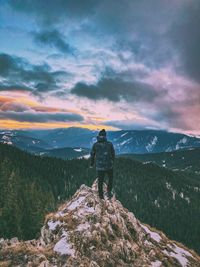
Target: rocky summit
89, 232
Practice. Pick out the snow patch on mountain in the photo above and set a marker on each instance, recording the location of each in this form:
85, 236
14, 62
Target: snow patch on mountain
6, 139
78, 149
156, 264
152, 143
76, 203
179, 253
124, 134
184, 197
87, 156
63, 247
52, 225
168, 185
180, 143
153, 235
126, 141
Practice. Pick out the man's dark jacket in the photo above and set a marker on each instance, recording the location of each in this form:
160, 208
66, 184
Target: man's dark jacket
103, 154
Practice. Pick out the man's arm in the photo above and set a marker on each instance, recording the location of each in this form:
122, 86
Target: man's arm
92, 156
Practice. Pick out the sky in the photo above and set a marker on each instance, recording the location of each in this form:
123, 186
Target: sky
125, 64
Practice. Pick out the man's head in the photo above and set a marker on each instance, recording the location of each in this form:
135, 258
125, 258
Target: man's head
101, 137
102, 133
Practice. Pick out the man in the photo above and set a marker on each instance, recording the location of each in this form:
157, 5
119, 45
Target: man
103, 154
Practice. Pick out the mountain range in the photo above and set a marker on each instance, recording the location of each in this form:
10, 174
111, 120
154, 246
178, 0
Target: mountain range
23, 140
125, 142
181, 160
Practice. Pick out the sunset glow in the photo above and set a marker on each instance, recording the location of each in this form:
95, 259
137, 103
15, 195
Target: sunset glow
101, 64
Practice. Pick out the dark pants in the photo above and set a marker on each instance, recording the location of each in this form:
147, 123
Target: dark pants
101, 175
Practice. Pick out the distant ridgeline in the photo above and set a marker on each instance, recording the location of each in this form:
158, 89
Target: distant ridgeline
31, 186
48, 142
184, 160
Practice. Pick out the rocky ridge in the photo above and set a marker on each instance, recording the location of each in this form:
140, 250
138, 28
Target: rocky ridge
89, 232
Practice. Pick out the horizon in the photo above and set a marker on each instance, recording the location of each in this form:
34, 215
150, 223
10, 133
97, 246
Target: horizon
102, 64
96, 130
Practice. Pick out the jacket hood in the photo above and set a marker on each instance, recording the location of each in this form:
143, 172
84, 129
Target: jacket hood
101, 138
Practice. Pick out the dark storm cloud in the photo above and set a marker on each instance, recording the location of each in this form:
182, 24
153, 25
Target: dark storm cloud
14, 87
7, 63
155, 31
170, 115
132, 24
40, 116
185, 35
159, 34
16, 70
180, 116
115, 90
52, 12
55, 39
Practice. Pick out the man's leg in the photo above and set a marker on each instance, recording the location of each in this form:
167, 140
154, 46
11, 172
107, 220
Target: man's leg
101, 175
110, 182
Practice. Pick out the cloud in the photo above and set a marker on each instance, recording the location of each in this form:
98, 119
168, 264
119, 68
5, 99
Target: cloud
147, 37
53, 38
179, 106
9, 104
155, 31
19, 74
185, 37
7, 63
115, 90
183, 116
53, 12
14, 87
40, 117
133, 124
13, 106
20, 104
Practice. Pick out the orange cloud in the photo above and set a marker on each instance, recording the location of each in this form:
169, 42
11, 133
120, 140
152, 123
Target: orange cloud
18, 101
5, 99
95, 118
29, 103
11, 124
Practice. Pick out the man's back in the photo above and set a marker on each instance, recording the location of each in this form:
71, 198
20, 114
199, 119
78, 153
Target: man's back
103, 154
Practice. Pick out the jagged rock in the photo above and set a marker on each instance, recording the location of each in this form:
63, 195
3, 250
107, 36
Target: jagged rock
89, 232
14, 240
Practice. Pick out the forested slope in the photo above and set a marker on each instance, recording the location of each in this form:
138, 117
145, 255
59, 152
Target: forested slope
30, 186
185, 160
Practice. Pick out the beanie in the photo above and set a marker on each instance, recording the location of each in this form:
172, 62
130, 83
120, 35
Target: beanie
102, 132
